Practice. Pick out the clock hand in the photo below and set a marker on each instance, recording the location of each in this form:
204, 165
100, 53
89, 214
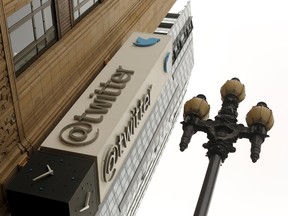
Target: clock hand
86, 206
49, 172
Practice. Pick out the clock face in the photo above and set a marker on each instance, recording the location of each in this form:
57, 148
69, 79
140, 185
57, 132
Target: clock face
56, 179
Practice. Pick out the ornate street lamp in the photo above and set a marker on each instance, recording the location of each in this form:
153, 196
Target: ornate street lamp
223, 132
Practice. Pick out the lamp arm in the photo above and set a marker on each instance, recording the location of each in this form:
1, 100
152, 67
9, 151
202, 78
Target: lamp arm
256, 141
256, 135
259, 133
191, 125
188, 131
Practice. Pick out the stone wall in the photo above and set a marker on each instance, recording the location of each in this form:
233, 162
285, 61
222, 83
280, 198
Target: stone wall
8, 129
10, 147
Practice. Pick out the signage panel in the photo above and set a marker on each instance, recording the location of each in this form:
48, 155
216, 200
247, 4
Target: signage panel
104, 122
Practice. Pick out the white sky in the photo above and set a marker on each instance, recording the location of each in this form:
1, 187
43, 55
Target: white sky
247, 39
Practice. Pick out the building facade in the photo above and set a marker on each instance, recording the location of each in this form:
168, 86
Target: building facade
45, 77
70, 51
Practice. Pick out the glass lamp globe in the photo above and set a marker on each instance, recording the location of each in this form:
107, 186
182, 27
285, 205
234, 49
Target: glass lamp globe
197, 106
260, 114
234, 87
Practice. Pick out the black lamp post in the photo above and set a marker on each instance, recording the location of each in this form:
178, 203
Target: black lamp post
223, 132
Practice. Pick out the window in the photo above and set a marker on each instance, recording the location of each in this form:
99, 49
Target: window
32, 29
164, 31
81, 6
181, 38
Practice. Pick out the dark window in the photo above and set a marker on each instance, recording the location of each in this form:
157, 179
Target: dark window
173, 15
165, 25
32, 30
182, 38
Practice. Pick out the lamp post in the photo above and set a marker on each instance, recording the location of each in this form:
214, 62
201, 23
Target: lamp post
223, 132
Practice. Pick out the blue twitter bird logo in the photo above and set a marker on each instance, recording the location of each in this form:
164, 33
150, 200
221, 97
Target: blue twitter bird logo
142, 42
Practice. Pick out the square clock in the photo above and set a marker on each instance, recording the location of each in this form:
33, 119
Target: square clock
54, 184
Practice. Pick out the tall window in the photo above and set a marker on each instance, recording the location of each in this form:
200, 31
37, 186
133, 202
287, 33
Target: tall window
32, 29
81, 6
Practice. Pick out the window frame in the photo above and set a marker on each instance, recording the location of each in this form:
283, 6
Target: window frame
78, 8
34, 48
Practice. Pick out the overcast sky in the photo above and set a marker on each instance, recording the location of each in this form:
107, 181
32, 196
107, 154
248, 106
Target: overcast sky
247, 39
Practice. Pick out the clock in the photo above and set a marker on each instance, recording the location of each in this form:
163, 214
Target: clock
54, 184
